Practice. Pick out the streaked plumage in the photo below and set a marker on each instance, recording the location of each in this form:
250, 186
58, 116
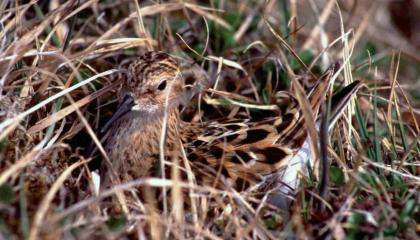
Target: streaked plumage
241, 150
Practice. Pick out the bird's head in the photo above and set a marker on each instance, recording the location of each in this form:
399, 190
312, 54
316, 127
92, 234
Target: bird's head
154, 80
152, 85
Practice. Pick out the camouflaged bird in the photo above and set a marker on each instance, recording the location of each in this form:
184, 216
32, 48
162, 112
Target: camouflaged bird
238, 152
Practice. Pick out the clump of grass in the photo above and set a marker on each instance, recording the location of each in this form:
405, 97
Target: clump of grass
59, 75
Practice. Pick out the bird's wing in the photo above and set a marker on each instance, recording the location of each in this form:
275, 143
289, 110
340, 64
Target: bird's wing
243, 150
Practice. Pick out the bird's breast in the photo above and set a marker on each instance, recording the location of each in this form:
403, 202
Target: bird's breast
133, 145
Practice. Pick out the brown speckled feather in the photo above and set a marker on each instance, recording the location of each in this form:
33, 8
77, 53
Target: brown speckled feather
239, 151
133, 133
245, 150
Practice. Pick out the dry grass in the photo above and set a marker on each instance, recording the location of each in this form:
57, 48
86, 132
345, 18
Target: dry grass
59, 68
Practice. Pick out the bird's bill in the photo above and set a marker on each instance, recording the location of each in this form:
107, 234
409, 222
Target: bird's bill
125, 106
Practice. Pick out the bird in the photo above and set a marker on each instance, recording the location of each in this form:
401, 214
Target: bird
132, 135
236, 152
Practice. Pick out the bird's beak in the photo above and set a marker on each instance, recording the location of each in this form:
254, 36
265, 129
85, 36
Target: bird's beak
124, 107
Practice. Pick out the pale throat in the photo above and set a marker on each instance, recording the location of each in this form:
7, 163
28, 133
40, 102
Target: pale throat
153, 117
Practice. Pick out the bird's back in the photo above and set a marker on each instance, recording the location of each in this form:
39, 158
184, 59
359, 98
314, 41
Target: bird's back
242, 150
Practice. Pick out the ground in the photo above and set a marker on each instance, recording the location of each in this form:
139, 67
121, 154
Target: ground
58, 86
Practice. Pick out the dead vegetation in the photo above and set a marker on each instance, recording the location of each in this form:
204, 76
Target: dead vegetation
59, 75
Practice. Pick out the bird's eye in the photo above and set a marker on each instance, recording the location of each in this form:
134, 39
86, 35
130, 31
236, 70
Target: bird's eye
162, 85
